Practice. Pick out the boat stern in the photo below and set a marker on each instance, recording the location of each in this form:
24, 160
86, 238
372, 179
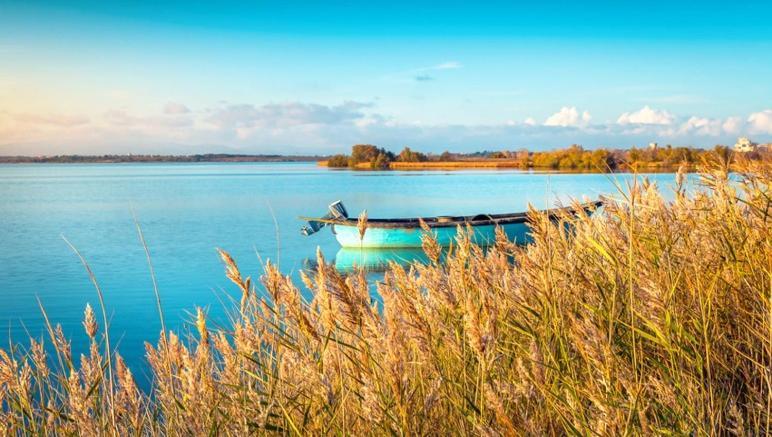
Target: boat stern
336, 212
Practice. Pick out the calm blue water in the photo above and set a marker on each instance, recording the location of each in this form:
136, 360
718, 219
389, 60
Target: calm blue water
188, 210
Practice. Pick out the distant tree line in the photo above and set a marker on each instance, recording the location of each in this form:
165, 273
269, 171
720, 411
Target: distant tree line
208, 157
376, 157
370, 156
574, 157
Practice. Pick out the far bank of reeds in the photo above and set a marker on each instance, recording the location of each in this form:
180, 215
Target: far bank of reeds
571, 159
653, 317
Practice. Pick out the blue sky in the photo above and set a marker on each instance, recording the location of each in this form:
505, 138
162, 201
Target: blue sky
259, 77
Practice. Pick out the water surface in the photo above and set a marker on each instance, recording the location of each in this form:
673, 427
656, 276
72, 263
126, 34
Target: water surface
188, 210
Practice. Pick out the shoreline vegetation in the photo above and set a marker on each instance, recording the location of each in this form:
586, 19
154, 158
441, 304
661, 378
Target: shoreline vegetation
369, 157
652, 318
108, 159
574, 158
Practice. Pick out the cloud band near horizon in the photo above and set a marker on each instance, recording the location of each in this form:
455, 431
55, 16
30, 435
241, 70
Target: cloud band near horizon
310, 128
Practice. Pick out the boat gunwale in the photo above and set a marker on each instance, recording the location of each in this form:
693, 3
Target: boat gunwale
453, 221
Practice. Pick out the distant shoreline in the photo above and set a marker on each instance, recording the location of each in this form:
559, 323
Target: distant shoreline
128, 159
494, 164
574, 159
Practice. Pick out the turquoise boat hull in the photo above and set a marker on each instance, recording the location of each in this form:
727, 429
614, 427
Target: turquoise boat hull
348, 236
409, 232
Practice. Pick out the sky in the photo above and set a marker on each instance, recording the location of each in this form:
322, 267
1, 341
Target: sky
316, 77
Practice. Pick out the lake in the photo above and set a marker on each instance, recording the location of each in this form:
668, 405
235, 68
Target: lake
188, 210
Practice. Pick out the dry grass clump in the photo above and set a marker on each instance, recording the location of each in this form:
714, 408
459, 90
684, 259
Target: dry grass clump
652, 318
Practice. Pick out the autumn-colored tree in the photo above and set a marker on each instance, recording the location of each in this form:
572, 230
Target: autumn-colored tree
364, 153
381, 162
407, 155
338, 161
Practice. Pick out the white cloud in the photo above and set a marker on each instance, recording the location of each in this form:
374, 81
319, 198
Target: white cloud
422, 74
646, 115
370, 120
568, 116
282, 115
301, 127
528, 121
732, 125
173, 108
701, 126
761, 122
449, 65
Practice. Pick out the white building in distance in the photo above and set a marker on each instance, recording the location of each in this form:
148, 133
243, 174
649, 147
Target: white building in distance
744, 145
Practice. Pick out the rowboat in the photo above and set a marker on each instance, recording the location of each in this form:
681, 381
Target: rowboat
407, 232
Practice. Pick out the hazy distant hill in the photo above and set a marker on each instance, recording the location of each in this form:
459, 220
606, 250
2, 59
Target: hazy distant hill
209, 157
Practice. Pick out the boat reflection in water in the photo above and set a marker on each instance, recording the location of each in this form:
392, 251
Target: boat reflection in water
377, 260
